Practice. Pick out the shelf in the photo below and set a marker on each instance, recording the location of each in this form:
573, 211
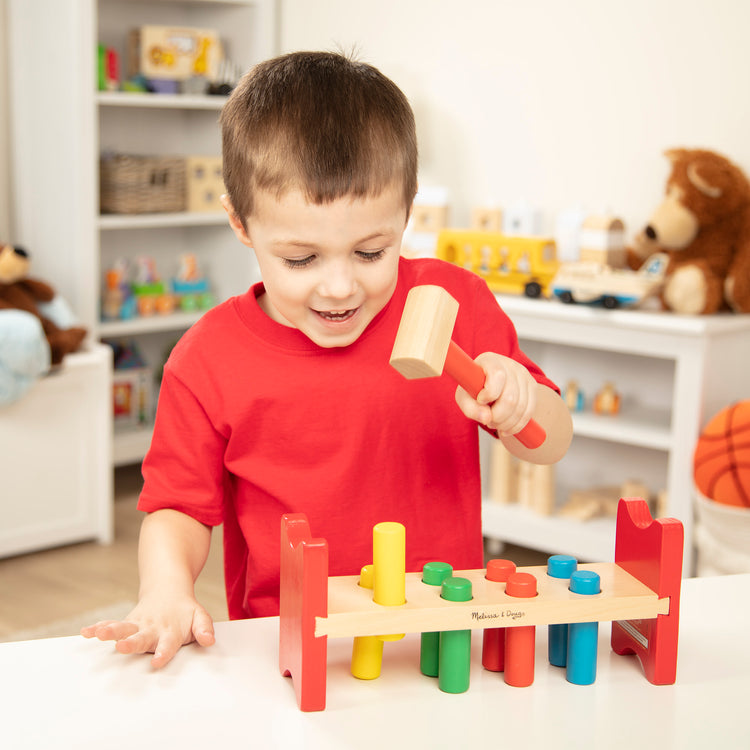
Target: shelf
151, 324
159, 101
640, 427
586, 540
614, 330
158, 221
130, 446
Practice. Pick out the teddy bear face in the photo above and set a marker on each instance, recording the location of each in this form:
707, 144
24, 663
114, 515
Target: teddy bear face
703, 190
14, 264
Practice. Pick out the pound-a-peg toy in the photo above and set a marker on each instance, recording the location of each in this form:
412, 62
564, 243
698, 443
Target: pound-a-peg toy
639, 593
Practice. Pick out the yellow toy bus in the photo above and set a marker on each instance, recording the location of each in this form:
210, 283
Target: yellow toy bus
514, 265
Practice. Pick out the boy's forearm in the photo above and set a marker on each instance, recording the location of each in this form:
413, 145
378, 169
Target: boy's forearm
554, 417
172, 551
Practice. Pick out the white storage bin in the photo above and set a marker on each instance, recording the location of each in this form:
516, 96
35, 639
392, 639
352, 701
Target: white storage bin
722, 538
56, 457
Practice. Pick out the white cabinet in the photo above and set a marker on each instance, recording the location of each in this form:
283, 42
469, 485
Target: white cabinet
55, 463
673, 373
61, 124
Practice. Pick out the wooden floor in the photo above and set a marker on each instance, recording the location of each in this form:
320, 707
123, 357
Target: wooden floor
59, 585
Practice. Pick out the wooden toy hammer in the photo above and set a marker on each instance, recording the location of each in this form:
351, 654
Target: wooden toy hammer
424, 349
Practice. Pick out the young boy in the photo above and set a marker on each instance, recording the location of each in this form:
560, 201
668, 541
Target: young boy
282, 399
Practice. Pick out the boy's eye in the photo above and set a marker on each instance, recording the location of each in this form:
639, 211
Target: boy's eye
370, 255
298, 262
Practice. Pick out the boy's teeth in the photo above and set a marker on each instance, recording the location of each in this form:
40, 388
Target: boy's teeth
332, 315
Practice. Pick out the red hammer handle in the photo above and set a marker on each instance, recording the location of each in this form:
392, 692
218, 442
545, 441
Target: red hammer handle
470, 376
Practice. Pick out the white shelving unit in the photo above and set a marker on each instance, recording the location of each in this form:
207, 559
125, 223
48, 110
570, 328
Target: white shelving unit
673, 372
61, 124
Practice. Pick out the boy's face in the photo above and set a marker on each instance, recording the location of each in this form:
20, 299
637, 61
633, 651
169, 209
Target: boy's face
328, 269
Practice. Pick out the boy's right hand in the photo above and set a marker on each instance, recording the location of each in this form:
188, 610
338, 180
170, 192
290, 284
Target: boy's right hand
158, 627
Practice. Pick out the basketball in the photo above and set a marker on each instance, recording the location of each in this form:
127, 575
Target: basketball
721, 462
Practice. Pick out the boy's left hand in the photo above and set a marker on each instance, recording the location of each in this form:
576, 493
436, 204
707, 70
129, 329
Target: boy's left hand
508, 399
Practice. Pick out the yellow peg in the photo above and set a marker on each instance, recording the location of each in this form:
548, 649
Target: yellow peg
367, 650
389, 563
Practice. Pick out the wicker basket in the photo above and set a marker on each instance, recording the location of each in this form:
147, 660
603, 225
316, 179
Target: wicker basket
141, 184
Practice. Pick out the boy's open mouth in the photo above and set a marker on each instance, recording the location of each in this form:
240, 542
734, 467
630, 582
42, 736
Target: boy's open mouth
336, 316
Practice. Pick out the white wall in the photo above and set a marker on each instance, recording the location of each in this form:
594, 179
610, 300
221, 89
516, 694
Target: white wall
558, 103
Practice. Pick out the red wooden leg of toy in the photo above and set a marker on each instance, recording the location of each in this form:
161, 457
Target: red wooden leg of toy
303, 597
651, 551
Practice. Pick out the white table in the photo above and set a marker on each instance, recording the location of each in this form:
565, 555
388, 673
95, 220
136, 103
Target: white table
74, 693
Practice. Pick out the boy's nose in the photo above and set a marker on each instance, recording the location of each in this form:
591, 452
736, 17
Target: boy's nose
338, 283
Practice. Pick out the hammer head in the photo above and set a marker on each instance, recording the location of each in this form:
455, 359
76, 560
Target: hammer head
424, 333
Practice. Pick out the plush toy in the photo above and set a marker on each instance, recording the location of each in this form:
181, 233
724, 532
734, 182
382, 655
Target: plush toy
19, 292
703, 223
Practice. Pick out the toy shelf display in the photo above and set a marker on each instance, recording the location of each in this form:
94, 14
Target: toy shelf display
147, 294
639, 593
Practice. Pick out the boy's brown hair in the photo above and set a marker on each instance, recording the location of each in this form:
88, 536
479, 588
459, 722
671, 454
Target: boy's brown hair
319, 122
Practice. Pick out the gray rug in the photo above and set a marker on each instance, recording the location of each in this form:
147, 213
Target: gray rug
71, 625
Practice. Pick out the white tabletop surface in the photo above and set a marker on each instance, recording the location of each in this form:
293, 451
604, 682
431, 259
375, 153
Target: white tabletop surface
75, 693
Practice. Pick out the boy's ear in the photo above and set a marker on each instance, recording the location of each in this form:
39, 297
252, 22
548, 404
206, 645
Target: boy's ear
234, 221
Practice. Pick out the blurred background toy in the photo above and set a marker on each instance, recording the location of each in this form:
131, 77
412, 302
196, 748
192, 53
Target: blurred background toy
722, 478
573, 396
721, 461
429, 215
19, 291
607, 400
190, 286
703, 224
131, 386
149, 290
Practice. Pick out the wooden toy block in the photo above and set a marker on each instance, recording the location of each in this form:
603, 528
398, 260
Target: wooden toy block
639, 594
503, 474
423, 348
205, 183
429, 218
603, 241
487, 219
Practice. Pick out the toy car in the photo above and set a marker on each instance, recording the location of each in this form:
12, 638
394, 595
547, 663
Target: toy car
596, 283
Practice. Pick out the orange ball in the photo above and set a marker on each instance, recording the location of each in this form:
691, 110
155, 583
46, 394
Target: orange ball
721, 462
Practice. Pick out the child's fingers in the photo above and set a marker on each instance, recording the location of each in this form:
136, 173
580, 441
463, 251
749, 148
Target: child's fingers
140, 642
167, 646
109, 630
203, 628
513, 412
471, 408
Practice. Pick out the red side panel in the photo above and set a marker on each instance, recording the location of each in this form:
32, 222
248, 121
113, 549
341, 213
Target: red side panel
651, 551
303, 597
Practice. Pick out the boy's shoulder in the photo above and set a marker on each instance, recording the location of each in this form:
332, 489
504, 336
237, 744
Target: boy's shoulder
210, 332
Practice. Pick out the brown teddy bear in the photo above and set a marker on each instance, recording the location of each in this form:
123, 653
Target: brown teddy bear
703, 223
18, 291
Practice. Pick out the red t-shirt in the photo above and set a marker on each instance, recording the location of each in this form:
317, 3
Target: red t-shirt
255, 420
